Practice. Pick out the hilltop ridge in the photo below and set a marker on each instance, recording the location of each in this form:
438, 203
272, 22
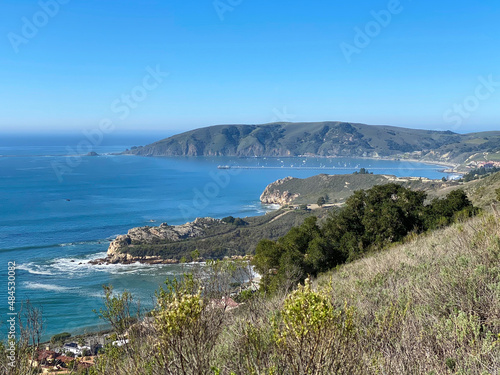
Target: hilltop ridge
328, 139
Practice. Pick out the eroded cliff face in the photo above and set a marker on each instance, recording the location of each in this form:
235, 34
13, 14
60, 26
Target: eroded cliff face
274, 194
117, 251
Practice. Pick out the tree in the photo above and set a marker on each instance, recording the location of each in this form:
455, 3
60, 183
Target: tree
60, 337
497, 191
321, 201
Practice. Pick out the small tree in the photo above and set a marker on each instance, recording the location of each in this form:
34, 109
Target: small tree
497, 191
60, 337
321, 201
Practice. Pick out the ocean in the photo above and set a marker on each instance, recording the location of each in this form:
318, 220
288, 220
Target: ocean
59, 210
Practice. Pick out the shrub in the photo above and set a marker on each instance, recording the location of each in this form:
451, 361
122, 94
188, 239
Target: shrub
370, 220
60, 337
321, 201
312, 336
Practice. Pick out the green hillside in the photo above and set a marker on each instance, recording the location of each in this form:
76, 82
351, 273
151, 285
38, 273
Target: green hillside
337, 188
324, 139
427, 305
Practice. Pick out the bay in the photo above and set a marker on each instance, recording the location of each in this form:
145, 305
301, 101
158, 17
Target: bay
52, 224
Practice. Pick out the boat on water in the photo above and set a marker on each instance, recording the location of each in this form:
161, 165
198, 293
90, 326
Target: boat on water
223, 167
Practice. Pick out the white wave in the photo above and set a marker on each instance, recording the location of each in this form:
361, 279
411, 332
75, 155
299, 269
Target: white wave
79, 265
34, 269
66, 244
76, 264
80, 243
48, 287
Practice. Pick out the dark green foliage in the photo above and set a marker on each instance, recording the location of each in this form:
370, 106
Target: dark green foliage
370, 221
497, 192
479, 173
236, 221
228, 220
321, 201
60, 337
442, 212
363, 171
451, 363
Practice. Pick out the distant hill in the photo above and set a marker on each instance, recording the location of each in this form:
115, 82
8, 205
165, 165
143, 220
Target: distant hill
324, 139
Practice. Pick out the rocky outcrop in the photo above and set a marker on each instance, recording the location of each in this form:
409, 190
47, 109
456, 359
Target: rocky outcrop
117, 251
274, 194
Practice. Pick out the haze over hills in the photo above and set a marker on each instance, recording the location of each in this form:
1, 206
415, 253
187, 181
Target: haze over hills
324, 139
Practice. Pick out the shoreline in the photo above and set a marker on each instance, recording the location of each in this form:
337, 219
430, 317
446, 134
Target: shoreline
443, 164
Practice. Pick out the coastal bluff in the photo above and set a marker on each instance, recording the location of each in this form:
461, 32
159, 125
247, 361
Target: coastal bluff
275, 194
118, 251
336, 188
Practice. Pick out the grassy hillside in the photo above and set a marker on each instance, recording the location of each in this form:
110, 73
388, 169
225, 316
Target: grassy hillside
337, 188
428, 306
228, 239
431, 305
481, 192
324, 139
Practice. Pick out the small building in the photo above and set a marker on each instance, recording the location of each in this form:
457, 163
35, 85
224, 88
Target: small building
75, 349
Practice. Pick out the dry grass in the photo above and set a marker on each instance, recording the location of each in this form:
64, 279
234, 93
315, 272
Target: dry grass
428, 306
431, 305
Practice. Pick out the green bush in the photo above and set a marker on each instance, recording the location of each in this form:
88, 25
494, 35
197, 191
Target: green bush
370, 220
60, 337
321, 201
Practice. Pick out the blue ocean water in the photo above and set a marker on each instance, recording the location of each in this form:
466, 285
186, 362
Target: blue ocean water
52, 224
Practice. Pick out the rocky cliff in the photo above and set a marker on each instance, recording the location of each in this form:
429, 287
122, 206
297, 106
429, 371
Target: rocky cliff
150, 235
275, 194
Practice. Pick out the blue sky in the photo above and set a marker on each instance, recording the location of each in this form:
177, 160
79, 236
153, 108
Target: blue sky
67, 65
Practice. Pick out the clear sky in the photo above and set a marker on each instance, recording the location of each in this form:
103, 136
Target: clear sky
65, 65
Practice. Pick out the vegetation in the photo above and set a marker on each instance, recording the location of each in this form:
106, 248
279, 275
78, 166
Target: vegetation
370, 220
481, 192
321, 201
239, 238
340, 187
478, 173
323, 139
363, 171
236, 221
60, 337
429, 305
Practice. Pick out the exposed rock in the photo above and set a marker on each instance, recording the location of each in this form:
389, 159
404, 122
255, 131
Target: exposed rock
92, 153
149, 235
274, 195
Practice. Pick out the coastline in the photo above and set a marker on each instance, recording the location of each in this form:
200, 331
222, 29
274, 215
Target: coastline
454, 166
